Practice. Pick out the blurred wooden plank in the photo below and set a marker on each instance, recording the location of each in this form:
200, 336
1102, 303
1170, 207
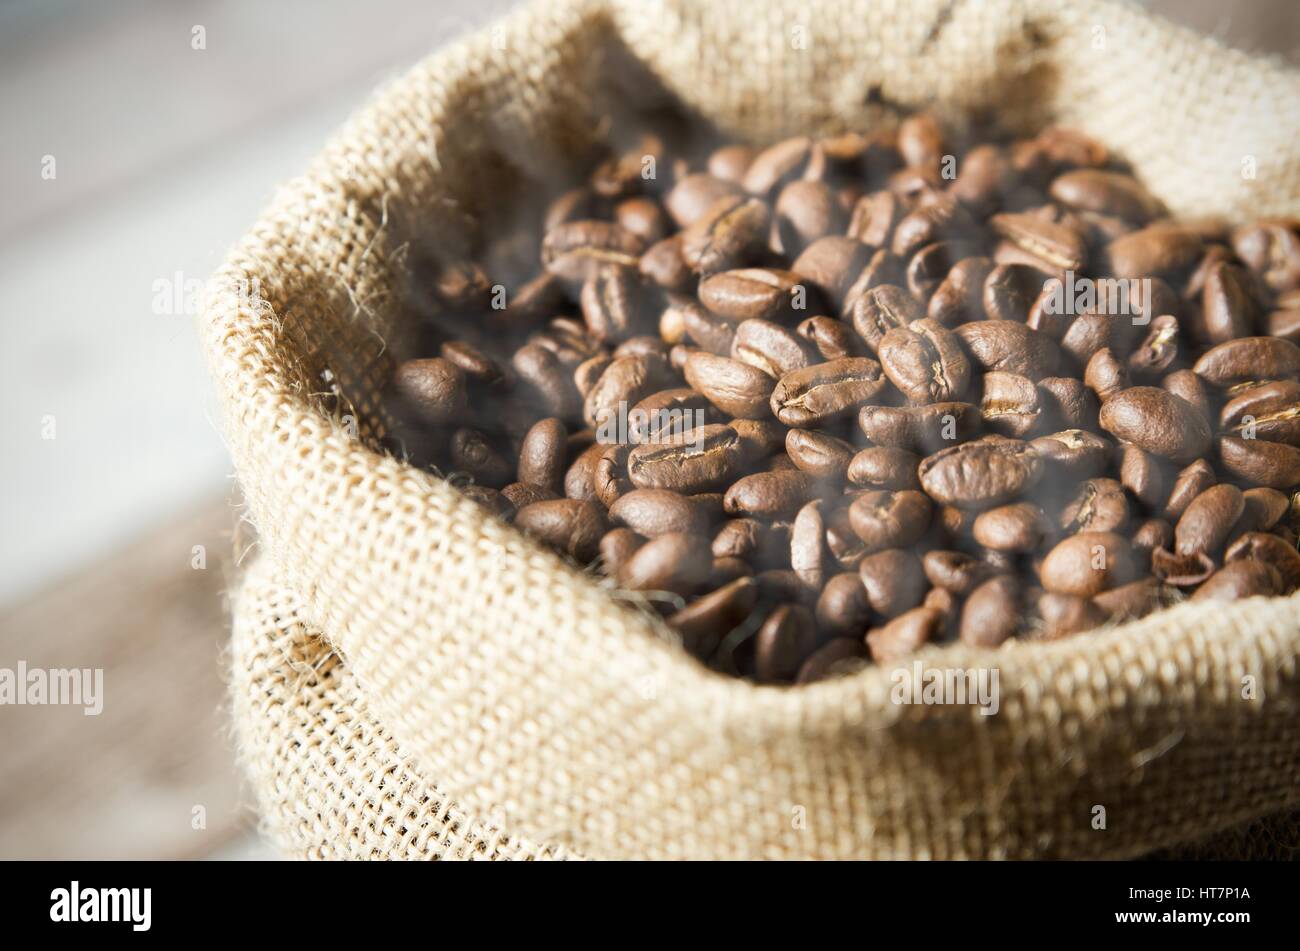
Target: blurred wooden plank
127, 783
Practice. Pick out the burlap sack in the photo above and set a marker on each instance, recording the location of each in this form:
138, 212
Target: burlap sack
413, 678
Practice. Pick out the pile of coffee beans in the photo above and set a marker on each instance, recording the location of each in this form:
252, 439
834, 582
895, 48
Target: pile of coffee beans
826, 402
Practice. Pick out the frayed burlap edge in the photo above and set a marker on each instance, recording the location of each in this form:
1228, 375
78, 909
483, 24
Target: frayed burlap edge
537, 700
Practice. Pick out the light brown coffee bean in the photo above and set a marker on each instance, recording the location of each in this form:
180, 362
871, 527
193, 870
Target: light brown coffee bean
819, 454
1107, 193
1010, 347
570, 526
574, 250
960, 295
676, 562
692, 197
886, 519
1105, 374
838, 657
1157, 422
1057, 245
736, 388
1228, 308
1064, 615
1205, 525
616, 546
981, 474
1098, 505
831, 264
519, 494
833, 339
1249, 359
1075, 453
770, 495
925, 362
1134, 600
1010, 404
1019, 528
730, 162
1270, 550
706, 620
772, 348
955, 571
1159, 350
904, 635
1181, 571
884, 467
809, 556
1158, 250
1240, 579
824, 392
785, 640
435, 388
754, 293
697, 460
894, 581
920, 429
1148, 477
1264, 507
1088, 563
991, 614
1269, 411
1274, 465
1271, 248
731, 234
881, 309
654, 512
786, 161
804, 212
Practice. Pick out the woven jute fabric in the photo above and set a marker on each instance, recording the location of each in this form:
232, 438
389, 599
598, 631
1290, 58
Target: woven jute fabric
413, 677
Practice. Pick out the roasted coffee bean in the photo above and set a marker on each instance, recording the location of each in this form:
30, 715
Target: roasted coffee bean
1272, 464
1067, 403
580, 477
881, 309
842, 607
1264, 507
955, 571
519, 494
1270, 411
777, 494
1056, 245
991, 614
1181, 571
960, 295
575, 249
727, 570
1075, 453
925, 362
827, 391
874, 217
1158, 250
625, 382
1105, 375
1107, 193
435, 388
804, 212
1010, 291
937, 220
546, 377
691, 197
894, 581
471, 452
1240, 579
1010, 404
653, 512
1228, 308
1157, 422
904, 635
616, 546
1088, 563
743, 538
797, 158
809, 556
665, 413
1010, 347
1148, 477
568, 525
612, 303
772, 348
1064, 615
731, 234
735, 388
1191, 482
785, 640
1270, 550
1247, 360
1134, 600
663, 266
542, 455
1158, 351
920, 429
709, 618
831, 264
838, 657
884, 467
730, 162
1209, 518
697, 460
832, 338
676, 562
981, 474
819, 454
886, 519
1271, 249
1019, 528
759, 438
1099, 505
754, 293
